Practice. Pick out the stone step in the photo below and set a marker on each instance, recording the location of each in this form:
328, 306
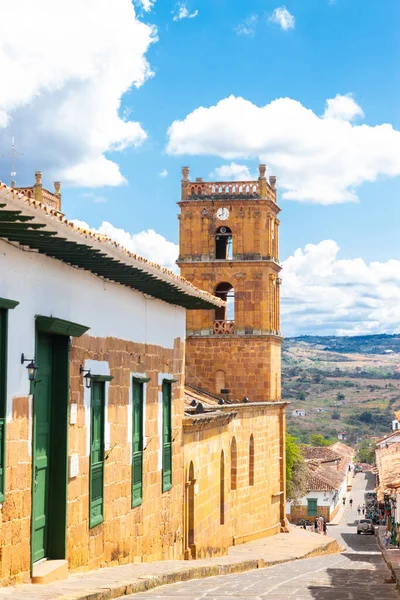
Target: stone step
49, 571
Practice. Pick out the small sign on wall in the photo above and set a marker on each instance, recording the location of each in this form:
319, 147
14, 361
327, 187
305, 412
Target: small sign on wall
73, 465
73, 413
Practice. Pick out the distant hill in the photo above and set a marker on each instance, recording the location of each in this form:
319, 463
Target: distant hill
343, 384
360, 344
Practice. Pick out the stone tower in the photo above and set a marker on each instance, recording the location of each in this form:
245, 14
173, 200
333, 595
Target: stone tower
229, 247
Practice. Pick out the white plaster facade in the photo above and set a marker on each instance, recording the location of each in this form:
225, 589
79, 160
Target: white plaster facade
48, 287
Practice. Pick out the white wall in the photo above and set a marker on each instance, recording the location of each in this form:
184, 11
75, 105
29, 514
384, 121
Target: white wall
388, 441
47, 287
323, 498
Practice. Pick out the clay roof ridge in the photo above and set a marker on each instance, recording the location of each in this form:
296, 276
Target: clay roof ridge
101, 239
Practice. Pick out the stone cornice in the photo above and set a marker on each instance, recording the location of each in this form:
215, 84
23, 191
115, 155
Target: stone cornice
235, 336
233, 261
207, 420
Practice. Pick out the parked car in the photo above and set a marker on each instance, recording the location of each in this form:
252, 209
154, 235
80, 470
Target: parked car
365, 526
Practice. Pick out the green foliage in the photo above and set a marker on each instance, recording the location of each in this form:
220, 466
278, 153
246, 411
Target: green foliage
301, 395
335, 415
366, 452
296, 485
366, 416
340, 396
317, 439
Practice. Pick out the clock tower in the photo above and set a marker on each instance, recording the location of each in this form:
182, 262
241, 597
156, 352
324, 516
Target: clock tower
229, 247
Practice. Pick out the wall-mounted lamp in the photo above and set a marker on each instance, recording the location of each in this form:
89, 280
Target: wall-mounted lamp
32, 367
87, 377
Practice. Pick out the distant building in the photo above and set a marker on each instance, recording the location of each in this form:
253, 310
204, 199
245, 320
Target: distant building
329, 477
341, 435
299, 412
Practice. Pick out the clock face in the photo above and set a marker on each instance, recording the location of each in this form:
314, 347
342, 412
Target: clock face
222, 214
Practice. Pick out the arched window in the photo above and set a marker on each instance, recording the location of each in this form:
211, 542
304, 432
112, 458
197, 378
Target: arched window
222, 490
226, 292
233, 464
223, 243
219, 381
251, 460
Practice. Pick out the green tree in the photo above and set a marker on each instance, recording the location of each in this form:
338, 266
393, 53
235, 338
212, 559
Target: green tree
301, 395
335, 415
340, 396
317, 439
366, 452
296, 470
366, 416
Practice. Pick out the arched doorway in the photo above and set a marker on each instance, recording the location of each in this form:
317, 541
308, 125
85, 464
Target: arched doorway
190, 544
222, 490
191, 508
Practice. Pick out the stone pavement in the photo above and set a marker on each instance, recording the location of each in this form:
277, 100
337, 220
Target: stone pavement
391, 556
113, 582
358, 573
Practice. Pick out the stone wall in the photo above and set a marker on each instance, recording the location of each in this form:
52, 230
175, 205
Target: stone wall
151, 531
233, 356
15, 512
252, 505
301, 512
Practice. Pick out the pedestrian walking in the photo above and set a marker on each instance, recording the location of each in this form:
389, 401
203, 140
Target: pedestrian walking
351, 502
344, 501
359, 510
363, 509
387, 539
324, 528
316, 526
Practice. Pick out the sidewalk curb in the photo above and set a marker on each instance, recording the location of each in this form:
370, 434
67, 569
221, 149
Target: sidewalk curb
145, 583
393, 567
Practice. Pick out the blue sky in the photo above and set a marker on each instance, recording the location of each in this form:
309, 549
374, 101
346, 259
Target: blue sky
345, 48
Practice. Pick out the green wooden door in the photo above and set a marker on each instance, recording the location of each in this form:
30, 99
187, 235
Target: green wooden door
312, 506
137, 443
42, 448
97, 453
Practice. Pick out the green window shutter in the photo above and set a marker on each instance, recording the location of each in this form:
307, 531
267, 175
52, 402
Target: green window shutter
96, 514
3, 398
312, 508
167, 438
137, 443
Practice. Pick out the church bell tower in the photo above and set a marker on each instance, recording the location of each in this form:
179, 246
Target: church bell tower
229, 247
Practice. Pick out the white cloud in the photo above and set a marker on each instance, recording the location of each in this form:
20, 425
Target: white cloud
182, 12
317, 159
248, 27
232, 172
164, 173
149, 243
61, 95
147, 5
343, 107
95, 198
283, 18
322, 294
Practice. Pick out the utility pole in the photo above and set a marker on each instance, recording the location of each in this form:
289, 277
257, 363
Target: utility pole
13, 156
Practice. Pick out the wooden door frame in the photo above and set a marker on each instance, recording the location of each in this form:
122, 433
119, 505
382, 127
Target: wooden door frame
59, 465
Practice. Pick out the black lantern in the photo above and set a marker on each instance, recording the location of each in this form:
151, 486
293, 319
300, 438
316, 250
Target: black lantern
32, 367
87, 377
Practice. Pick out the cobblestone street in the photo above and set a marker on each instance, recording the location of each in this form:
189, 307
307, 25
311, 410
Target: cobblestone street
358, 573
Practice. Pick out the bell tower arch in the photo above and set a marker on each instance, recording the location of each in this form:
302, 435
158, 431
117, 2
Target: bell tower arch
228, 246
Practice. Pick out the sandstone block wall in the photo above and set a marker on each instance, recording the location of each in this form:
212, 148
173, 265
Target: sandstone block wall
251, 509
251, 366
151, 531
